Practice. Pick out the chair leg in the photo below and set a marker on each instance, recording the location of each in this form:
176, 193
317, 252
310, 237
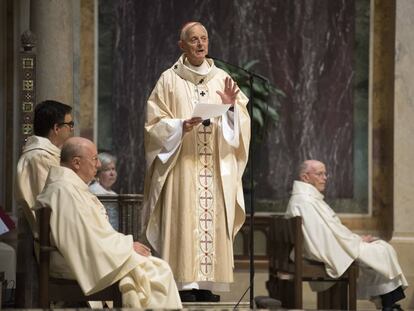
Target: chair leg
118, 300
323, 300
282, 293
334, 298
288, 294
298, 290
352, 294
44, 292
27, 287
340, 296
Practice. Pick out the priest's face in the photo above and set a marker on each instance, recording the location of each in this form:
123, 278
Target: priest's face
195, 44
316, 176
64, 130
89, 163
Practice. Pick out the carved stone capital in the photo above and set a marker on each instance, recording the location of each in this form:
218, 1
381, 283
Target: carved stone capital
28, 40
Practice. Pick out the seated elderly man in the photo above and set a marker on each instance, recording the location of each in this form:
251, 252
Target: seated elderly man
92, 251
327, 240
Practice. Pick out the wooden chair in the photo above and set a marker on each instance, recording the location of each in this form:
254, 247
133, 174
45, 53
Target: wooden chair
286, 276
52, 289
26, 267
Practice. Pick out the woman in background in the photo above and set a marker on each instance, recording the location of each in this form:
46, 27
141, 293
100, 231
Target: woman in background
106, 175
102, 186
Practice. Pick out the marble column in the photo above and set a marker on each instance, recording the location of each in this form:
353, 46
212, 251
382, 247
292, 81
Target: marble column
52, 23
403, 235
87, 102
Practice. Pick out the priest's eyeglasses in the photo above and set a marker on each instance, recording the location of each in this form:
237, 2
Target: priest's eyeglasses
71, 124
321, 174
94, 159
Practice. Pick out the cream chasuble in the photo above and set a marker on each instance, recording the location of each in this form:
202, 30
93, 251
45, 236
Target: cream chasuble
96, 255
193, 187
39, 154
327, 240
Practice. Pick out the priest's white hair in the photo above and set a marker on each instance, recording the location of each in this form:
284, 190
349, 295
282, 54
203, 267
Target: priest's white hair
187, 27
306, 166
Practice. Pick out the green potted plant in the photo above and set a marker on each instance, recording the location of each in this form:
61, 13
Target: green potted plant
265, 100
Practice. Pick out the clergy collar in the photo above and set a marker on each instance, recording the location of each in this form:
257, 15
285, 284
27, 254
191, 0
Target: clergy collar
203, 69
300, 187
191, 74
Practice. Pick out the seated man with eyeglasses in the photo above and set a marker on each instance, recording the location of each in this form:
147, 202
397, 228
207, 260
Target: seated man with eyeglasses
327, 240
52, 125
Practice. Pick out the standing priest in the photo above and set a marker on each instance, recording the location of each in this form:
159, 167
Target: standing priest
193, 186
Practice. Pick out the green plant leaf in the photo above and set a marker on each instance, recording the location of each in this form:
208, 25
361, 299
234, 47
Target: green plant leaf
260, 90
250, 64
275, 90
257, 116
272, 113
262, 104
245, 90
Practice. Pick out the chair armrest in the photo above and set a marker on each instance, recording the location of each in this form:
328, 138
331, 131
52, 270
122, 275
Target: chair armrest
48, 249
285, 276
45, 248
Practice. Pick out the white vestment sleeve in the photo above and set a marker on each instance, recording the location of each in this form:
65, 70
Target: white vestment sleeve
230, 121
171, 144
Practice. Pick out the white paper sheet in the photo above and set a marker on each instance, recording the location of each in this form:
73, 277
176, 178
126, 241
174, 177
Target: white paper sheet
207, 111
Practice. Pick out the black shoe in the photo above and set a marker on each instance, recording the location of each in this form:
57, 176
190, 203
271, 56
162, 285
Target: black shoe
187, 296
395, 307
203, 295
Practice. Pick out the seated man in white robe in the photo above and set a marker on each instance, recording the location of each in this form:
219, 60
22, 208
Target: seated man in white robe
90, 250
52, 125
327, 240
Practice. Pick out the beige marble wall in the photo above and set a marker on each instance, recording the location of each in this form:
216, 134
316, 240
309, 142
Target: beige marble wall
404, 125
403, 225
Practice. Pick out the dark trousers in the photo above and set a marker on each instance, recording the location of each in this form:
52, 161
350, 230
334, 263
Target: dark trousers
389, 299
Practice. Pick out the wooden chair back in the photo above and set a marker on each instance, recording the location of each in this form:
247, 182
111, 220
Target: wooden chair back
52, 289
288, 269
129, 209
